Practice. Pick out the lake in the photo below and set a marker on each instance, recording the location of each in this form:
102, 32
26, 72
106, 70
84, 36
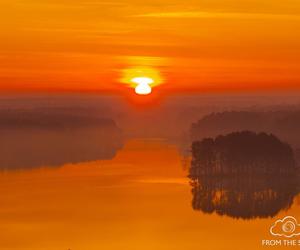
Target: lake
139, 199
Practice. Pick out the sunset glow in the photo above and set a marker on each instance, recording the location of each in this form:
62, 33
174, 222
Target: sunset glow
217, 47
152, 125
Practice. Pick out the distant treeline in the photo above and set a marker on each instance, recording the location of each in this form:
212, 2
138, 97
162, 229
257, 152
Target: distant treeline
52, 119
284, 124
242, 153
56, 136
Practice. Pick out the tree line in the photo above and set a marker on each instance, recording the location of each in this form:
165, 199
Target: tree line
242, 152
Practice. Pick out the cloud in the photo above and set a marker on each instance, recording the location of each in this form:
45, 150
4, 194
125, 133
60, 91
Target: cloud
287, 227
202, 14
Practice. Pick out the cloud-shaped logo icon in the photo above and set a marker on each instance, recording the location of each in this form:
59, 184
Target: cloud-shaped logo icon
287, 227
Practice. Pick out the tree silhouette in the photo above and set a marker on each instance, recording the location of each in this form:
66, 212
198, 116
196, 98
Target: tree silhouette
283, 123
243, 175
242, 152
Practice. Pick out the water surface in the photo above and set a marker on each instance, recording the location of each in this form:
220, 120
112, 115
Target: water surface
139, 199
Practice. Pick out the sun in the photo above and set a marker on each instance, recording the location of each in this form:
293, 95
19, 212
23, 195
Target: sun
141, 79
143, 85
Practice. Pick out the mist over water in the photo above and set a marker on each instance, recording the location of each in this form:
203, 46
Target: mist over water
169, 117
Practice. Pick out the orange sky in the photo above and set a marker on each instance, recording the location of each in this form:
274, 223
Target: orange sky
209, 45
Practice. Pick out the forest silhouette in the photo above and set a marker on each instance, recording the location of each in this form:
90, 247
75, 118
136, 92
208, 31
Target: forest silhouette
54, 137
243, 175
242, 152
283, 123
